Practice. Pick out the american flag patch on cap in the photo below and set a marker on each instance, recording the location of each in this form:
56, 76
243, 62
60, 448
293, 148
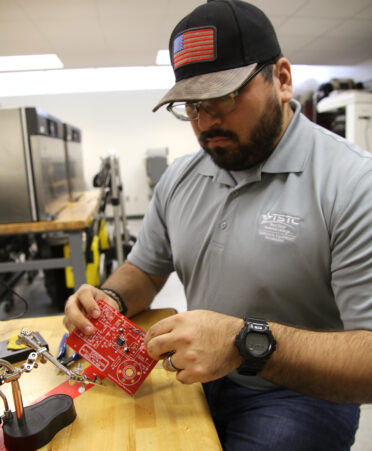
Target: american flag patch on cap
194, 46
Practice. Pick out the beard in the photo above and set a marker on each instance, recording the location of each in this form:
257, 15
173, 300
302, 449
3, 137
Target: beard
243, 155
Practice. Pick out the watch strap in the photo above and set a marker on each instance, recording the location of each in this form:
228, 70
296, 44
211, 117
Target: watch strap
251, 368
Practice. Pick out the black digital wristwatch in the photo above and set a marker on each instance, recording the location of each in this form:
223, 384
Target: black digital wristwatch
255, 343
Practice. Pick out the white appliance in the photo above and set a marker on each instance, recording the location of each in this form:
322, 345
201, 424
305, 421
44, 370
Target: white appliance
357, 106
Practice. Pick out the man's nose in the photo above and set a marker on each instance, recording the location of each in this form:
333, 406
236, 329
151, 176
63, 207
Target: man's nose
207, 120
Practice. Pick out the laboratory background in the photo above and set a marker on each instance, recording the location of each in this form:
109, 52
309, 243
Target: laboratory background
78, 136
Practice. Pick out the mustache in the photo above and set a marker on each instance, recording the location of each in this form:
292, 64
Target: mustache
217, 132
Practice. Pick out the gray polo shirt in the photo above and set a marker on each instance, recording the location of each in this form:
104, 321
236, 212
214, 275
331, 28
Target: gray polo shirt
289, 240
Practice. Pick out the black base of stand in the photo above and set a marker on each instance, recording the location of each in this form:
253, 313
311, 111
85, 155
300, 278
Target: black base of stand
40, 424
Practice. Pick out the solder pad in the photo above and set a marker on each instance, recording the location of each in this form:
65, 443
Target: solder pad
116, 349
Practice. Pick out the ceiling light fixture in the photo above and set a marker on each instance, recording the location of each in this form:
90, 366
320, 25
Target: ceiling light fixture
68, 81
162, 58
29, 62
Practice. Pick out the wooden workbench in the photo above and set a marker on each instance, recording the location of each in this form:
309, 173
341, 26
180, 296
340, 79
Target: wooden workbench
163, 415
73, 219
75, 215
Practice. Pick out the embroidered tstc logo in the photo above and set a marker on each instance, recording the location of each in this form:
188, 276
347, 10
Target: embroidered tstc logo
279, 227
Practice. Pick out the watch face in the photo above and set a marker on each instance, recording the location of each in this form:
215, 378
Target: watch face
257, 344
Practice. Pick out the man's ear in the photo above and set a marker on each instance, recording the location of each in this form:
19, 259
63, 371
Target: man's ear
283, 79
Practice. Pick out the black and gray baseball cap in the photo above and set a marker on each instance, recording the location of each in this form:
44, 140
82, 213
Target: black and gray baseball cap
216, 47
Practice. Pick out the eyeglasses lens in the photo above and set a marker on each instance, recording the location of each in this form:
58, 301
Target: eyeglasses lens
181, 111
189, 111
222, 105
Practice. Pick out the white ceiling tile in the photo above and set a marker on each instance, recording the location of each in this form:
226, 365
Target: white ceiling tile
13, 42
57, 9
278, 21
305, 26
333, 8
115, 32
31, 47
353, 28
343, 51
68, 26
280, 7
17, 29
290, 45
180, 9
365, 13
136, 11
10, 11
70, 36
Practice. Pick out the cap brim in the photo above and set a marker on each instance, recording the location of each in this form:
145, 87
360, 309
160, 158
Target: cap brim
207, 86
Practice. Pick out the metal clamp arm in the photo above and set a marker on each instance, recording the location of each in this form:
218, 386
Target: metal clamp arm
27, 337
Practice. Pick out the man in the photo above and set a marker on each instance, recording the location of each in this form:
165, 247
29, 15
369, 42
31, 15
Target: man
270, 222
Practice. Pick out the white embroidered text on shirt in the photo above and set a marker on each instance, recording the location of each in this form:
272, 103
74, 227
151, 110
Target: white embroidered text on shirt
279, 227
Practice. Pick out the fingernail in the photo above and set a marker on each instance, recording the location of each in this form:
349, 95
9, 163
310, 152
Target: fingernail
95, 313
88, 330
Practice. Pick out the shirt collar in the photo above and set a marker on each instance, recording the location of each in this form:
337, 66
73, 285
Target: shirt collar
208, 168
291, 153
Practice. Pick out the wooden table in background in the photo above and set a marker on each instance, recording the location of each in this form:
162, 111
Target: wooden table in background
73, 219
163, 415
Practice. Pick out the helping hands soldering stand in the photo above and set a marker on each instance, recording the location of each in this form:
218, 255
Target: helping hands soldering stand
29, 428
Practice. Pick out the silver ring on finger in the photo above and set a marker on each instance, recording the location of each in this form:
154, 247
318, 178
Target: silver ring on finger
169, 364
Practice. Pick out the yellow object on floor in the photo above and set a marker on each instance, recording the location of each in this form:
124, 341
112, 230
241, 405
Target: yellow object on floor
91, 269
14, 343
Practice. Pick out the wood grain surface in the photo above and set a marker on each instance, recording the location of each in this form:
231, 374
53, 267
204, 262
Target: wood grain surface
163, 415
75, 215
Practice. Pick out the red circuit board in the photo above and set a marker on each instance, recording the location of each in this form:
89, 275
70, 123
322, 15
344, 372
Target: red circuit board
116, 349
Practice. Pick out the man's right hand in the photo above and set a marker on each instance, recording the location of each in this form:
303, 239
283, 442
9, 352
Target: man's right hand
81, 303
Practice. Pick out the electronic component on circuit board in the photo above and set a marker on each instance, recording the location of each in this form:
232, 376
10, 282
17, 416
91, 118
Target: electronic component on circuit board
116, 348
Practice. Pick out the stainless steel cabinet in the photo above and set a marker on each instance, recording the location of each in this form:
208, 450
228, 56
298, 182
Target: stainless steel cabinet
33, 177
74, 161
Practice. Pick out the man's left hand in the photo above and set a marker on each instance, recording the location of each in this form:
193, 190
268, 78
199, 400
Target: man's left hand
202, 343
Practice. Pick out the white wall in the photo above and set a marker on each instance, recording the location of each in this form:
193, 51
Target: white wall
308, 78
124, 121
120, 120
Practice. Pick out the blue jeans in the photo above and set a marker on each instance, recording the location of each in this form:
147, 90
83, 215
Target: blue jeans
279, 420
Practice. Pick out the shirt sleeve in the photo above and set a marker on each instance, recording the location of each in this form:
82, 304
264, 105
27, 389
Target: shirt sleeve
152, 251
351, 248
